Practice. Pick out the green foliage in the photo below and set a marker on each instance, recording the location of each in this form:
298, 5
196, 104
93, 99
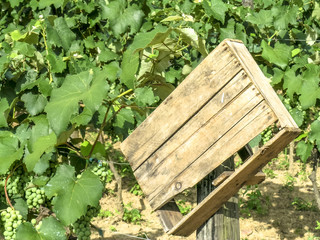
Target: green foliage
184, 207
303, 205
131, 215
252, 200
68, 68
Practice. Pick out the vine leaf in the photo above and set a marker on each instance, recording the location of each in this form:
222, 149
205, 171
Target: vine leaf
34, 103
284, 15
261, 19
41, 145
292, 83
60, 34
26, 231
130, 61
9, 150
279, 55
314, 135
121, 18
89, 87
73, 195
304, 150
310, 92
216, 9
145, 96
4, 107
51, 229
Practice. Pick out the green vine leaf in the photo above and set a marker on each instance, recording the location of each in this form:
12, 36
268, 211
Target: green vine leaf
145, 96
50, 229
60, 34
34, 103
4, 107
121, 18
73, 195
9, 150
216, 9
279, 55
43, 144
304, 150
314, 135
90, 87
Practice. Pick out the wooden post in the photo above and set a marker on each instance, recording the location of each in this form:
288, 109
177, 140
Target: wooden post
224, 224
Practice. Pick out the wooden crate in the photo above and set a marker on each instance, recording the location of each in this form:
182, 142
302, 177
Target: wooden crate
223, 104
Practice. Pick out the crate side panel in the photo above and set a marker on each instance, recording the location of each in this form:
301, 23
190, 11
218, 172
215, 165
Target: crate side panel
256, 75
228, 188
216, 126
237, 85
254, 122
206, 80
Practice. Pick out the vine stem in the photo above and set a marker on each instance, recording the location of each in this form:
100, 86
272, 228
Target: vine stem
104, 122
5, 186
47, 51
313, 175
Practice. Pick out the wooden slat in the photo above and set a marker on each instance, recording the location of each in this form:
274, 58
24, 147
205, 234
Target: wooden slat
239, 135
256, 75
231, 186
207, 79
169, 215
235, 87
256, 179
216, 126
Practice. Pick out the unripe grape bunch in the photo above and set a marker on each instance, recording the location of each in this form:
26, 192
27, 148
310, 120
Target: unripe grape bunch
35, 197
11, 220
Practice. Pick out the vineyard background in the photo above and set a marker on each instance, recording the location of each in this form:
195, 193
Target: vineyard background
78, 76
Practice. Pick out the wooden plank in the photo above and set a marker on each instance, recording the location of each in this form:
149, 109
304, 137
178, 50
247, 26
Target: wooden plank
235, 87
169, 215
224, 224
178, 160
216, 70
239, 135
256, 179
228, 188
256, 75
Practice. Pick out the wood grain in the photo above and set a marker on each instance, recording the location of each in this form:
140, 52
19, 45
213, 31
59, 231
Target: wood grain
231, 186
245, 130
256, 75
164, 154
256, 179
190, 150
169, 215
197, 89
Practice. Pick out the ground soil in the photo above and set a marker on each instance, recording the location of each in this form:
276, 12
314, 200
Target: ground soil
279, 220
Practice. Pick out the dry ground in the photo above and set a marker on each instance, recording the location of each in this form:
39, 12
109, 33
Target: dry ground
281, 221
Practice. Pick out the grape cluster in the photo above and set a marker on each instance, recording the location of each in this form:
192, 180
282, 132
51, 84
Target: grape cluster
82, 226
35, 197
102, 170
16, 183
11, 220
266, 135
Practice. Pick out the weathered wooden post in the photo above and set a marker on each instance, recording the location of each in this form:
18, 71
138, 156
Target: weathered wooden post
224, 224
223, 104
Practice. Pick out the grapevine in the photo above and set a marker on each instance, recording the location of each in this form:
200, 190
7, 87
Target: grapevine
11, 220
73, 72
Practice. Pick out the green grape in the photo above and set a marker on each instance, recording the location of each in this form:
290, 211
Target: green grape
35, 197
102, 170
81, 227
11, 220
16, 183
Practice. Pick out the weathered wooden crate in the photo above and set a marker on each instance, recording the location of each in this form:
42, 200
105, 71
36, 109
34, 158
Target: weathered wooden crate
223, 104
